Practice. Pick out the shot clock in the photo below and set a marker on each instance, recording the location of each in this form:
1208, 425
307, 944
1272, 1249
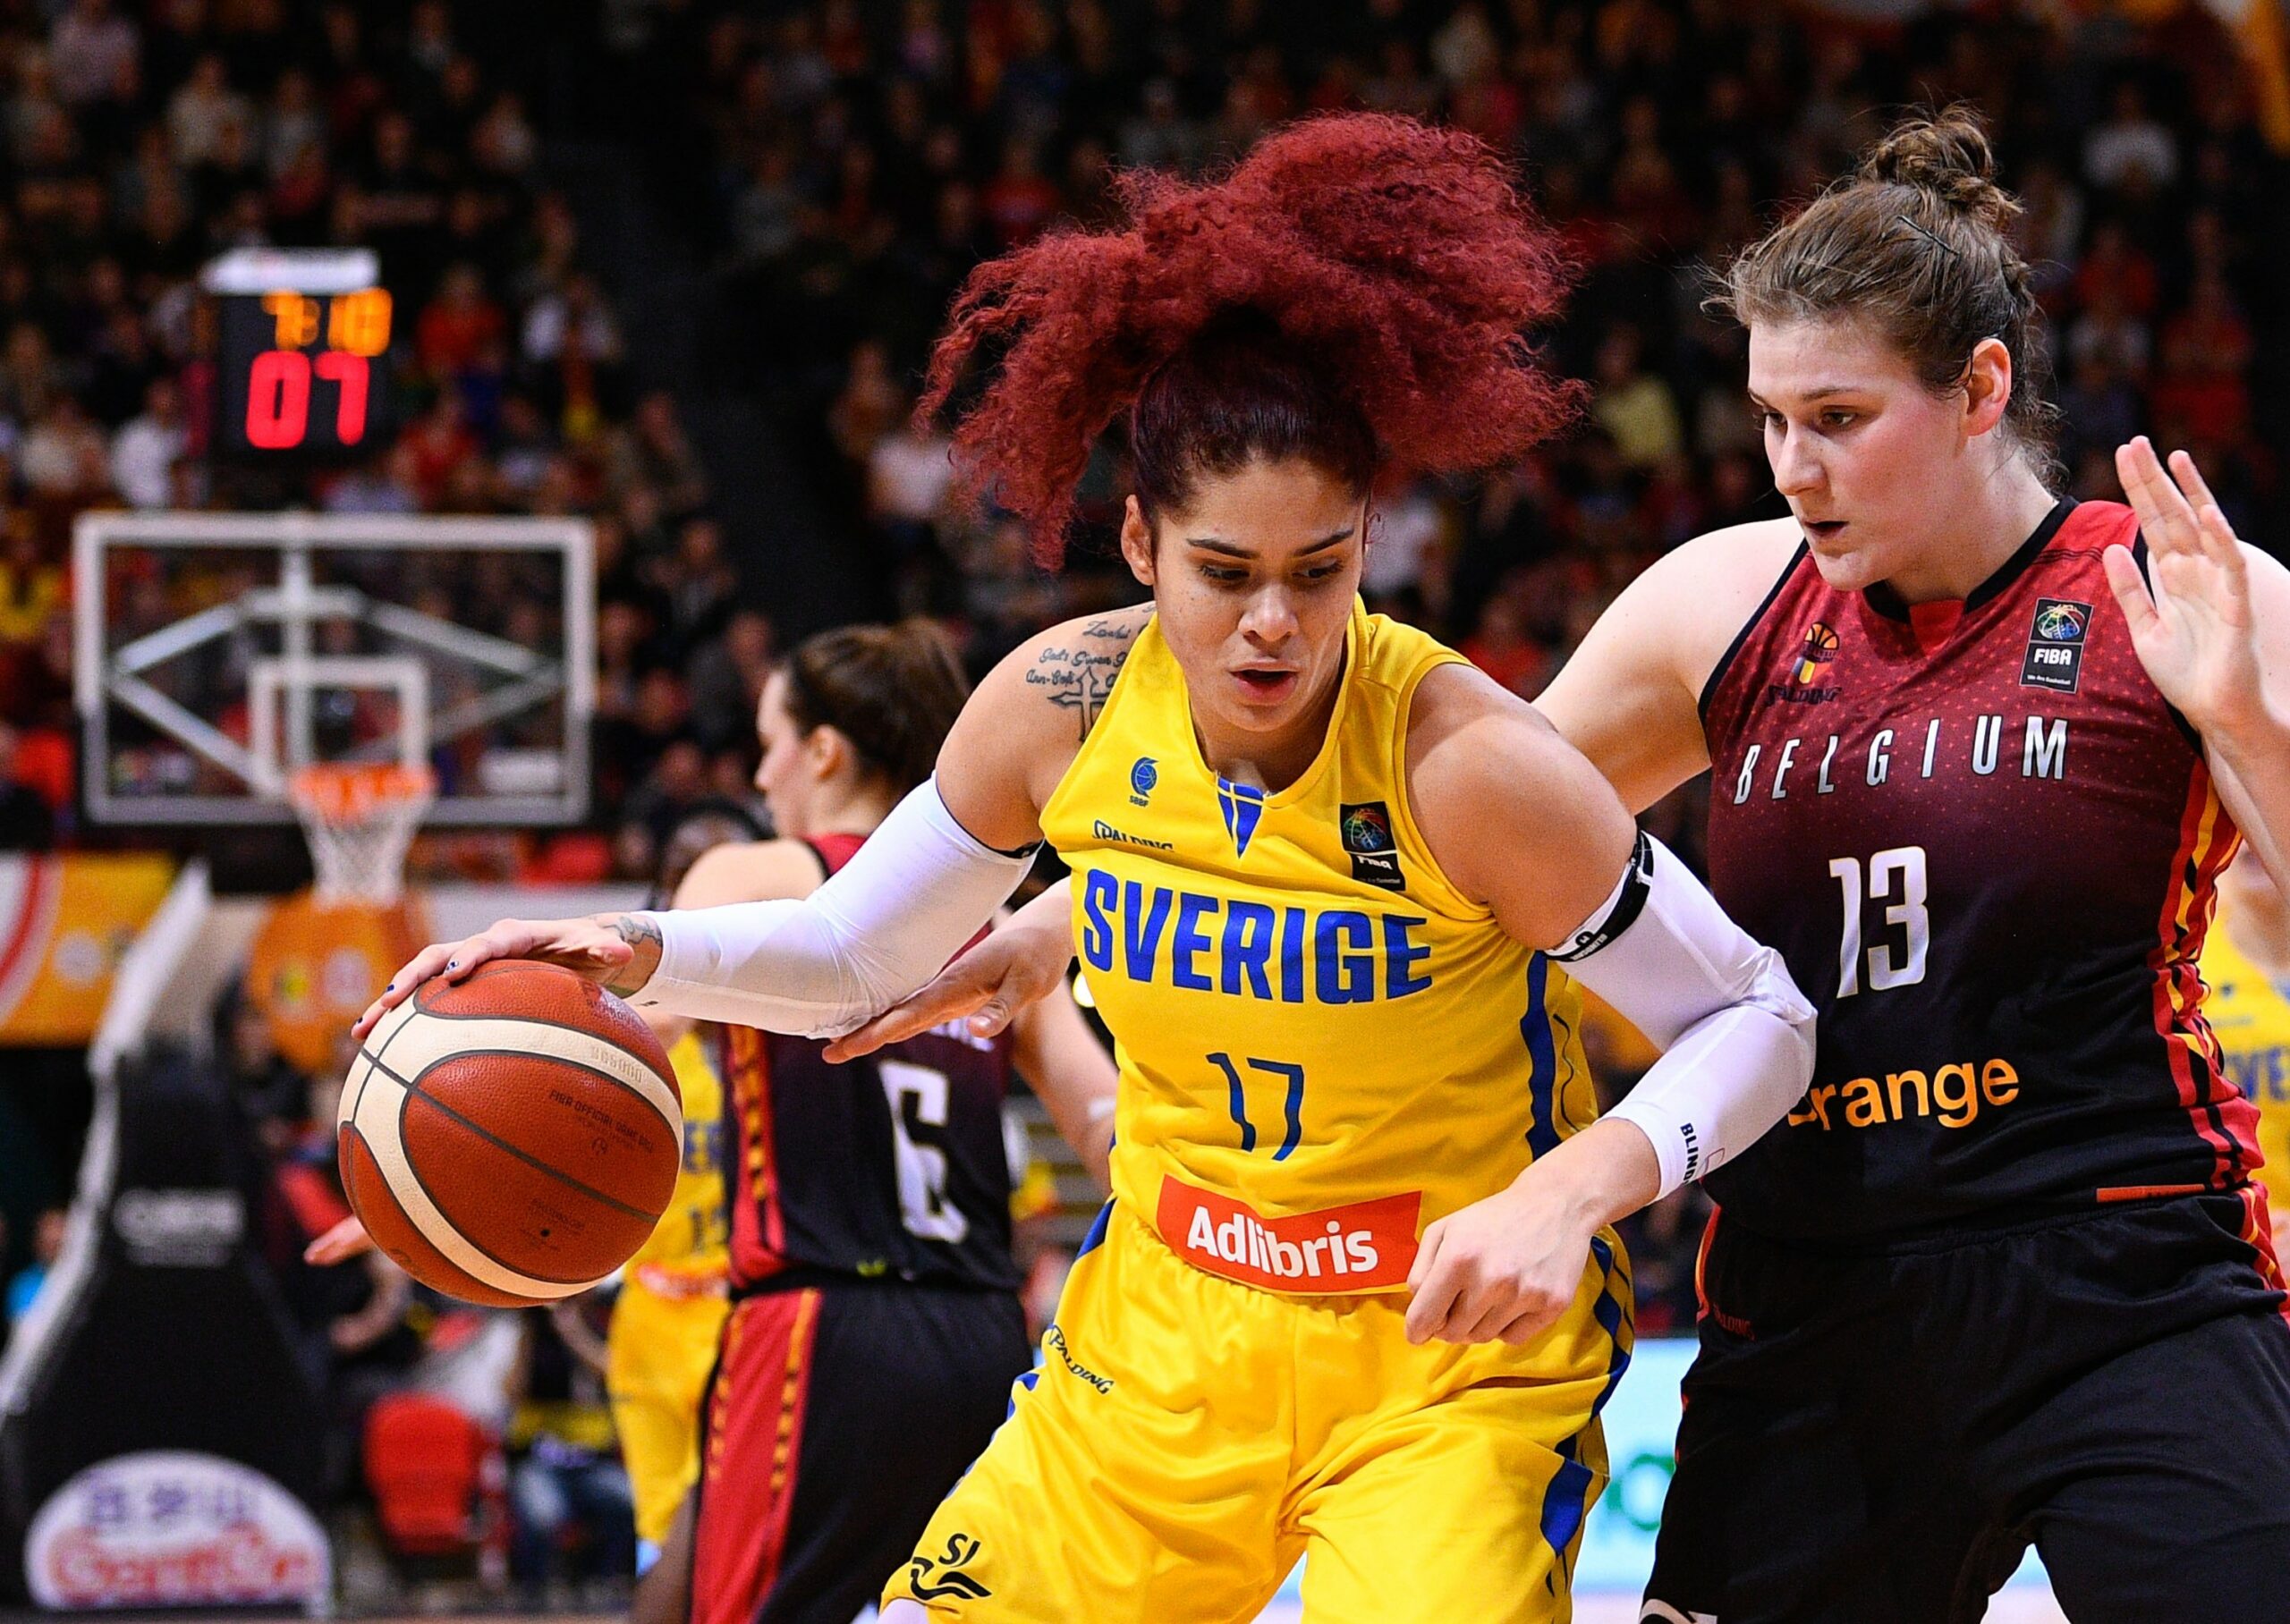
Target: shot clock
301, 355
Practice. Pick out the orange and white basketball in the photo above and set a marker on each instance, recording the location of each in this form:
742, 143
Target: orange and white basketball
512, 1137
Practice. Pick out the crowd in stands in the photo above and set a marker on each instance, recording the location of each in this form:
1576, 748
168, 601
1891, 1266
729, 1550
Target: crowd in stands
840, 165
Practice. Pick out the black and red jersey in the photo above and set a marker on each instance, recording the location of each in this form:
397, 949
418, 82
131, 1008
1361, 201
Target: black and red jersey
893, 1166
1986, 845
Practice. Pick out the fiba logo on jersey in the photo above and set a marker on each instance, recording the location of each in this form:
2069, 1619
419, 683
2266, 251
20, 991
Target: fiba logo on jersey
2055, 656
1804, 684
1366, 829
1142, 777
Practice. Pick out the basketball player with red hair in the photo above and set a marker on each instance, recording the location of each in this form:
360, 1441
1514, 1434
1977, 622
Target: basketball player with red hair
1357, 1296
1980, 752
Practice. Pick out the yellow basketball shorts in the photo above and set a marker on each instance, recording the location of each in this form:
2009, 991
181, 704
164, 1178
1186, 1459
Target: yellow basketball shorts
1186, 1439
659, 1353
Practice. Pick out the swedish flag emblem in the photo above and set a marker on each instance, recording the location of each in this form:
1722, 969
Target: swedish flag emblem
1243, 805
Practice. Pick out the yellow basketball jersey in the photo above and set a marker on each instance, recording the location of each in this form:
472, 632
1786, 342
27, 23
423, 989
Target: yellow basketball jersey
670, 1315
1324, 1046
2251, 1016
687, 1247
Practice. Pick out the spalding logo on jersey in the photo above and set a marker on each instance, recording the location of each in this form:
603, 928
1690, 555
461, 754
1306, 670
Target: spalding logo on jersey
1818, 649
2056, 645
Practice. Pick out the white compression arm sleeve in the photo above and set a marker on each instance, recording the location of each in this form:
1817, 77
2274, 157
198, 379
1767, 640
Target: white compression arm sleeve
881, 926
1735, 1033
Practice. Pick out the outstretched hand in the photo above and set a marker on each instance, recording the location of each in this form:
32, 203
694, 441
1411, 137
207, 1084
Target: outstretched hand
1021, 963
2191, 616
593, 946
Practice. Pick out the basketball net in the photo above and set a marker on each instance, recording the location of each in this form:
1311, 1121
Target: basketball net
360, 817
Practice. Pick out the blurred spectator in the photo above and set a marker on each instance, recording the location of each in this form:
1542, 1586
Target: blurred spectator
31, 587
143, 452
567, 1488
48, 1245
2132, 145
271, 1092
1635, 406
350, 1318
725, 678
202, 109
655, 451
459, 328
93, 51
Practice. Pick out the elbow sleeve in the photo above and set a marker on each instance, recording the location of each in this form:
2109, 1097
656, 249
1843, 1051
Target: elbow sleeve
1736, 1034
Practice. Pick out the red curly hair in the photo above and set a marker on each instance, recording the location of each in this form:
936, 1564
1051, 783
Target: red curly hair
1353, 293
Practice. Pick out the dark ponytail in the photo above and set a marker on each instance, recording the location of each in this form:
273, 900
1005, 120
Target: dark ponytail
894, 692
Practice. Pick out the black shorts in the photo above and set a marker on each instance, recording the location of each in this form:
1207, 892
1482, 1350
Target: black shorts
838, 1417
1877, 1439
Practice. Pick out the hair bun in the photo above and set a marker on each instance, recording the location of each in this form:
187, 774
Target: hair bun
1947, 156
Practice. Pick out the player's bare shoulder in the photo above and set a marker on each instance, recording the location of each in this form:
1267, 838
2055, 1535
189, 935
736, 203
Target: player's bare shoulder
1023, 726
1697, 597
749, 871
1514, 814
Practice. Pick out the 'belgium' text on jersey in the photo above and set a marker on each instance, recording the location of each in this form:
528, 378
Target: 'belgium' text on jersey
1987, 846
893, 1166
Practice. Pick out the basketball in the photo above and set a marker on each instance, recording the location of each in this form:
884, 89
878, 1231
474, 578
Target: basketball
511, 1138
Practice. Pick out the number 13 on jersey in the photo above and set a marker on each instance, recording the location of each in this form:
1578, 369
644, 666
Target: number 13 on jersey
1896, 881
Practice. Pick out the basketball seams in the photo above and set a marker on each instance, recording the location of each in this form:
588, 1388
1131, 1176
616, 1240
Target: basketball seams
565, 1287
405, 1186
595, 1056
470, 1288
414, 1091
666, 1073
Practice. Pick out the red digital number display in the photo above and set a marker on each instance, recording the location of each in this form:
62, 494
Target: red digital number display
299, 372
278, 397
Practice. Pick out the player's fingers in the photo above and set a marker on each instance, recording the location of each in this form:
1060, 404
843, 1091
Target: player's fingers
2165, 518
2135, 467
1528, 1326
502, 942
339, 1244
416, 970
1482, 1316
1433, 1297
2196, 487
1425, 1253
2130, 588
952, 996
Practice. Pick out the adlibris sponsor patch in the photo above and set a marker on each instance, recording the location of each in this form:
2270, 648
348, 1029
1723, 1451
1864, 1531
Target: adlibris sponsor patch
1367, 1246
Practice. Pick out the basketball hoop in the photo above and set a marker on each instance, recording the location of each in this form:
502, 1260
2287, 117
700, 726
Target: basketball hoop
360, 817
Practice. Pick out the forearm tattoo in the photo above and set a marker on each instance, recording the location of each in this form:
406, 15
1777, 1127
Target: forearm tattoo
643, 935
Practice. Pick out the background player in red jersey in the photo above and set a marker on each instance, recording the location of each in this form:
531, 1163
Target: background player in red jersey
1979, 754
875, 1329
